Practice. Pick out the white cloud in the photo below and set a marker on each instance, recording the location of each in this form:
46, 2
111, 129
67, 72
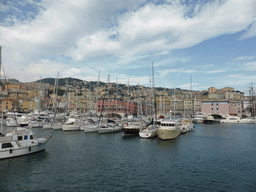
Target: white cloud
251, 32
154, 28
218, 71
251, 66
245, 58
166, 72
78, 31
187, 86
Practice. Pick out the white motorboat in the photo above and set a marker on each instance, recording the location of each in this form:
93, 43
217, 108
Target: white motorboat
186, 125
23, 121
236, 119
109, 129
72, 124
169, 129
11, 122
20, 142
90, 128
36, 123
57, 125
150, 130
198, 119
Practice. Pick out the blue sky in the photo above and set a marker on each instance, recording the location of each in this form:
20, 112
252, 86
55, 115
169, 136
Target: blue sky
213, 41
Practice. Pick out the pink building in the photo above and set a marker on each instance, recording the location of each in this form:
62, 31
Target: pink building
222, 107
113, 105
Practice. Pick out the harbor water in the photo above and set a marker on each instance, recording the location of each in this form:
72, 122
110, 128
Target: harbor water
211, 158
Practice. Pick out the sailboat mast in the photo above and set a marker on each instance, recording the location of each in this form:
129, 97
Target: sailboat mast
108, 99
174, 103
128, 98
116, 96
98, 89
153, 85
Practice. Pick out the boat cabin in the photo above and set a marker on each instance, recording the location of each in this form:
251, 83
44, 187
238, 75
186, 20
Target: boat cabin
15, 140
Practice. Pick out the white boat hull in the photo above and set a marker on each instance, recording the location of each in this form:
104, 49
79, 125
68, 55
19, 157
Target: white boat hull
236, 121
47, 126
11, 123
35, 125
90, 128
198, 121
148, 133
166, 134
109, 129
8, 153
57, 127
71, 127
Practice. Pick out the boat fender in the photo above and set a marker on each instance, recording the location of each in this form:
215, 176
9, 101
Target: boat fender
10, 150
29, 148
39, 144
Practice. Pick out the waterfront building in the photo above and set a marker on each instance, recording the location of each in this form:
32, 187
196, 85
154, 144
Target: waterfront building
27, 105
197, 106
121, 107
221, 107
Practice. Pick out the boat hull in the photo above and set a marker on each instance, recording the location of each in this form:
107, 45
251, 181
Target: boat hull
90, 130
71, 127
148, 133
166, 134
46, 126
9, 153
57, 126
109, 130
131, 131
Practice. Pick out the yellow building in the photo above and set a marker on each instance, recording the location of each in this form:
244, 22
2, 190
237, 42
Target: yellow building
28, 105
32, 93
163, 105
6, 104
12, 87
212, 90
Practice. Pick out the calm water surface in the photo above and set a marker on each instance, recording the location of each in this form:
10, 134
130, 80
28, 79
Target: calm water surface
210, 158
